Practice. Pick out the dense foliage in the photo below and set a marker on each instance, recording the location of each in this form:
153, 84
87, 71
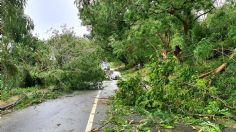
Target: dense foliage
75, 62
63, 61
188, 47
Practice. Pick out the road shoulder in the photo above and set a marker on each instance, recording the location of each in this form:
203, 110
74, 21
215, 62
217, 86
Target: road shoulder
101, 112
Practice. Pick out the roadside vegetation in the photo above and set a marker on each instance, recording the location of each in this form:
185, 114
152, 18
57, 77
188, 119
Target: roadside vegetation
34, 70
186, 53
178, 60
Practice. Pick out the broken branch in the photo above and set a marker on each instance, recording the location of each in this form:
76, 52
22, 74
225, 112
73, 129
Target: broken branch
218, 69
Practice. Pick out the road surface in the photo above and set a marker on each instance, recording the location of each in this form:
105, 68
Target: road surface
73, 113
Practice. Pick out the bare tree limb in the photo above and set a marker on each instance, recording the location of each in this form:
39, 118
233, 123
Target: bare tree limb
204, 13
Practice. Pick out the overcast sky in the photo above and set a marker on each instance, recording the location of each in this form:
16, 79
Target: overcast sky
48, 14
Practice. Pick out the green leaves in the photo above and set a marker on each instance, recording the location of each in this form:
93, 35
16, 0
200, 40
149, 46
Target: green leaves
130, 91
14, 23
232, 33
136, 30
203, 49
177, 41
76, 63
201, 85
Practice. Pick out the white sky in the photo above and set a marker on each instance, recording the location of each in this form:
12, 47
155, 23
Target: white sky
47, 14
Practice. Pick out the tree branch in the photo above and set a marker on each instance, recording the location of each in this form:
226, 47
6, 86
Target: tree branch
218, 69
204, 13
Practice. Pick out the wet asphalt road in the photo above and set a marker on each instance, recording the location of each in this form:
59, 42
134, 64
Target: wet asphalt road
66, 114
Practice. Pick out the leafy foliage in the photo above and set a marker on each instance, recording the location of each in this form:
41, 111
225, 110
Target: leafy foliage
75, 61
128, 89
188, 47
27, 64
14, 24
203, 50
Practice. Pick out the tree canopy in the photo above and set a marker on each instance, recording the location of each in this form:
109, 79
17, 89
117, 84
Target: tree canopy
187, 47
157, 25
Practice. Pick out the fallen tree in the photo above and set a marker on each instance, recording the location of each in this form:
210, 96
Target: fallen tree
8, 106
220, 68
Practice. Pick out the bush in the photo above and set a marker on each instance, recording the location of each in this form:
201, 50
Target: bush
29, 79
203, 50
130, 91
176, 88
10, 73
226, 84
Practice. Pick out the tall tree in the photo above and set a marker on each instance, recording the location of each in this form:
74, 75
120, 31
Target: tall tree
15, 30
170, 22
14, 23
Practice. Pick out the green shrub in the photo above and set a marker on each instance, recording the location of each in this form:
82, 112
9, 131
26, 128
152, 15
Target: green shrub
176, 88
226, 84
203, 50
130, 91
10, 73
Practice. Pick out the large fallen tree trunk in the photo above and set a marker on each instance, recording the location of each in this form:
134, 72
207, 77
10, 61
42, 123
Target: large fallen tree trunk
218, 69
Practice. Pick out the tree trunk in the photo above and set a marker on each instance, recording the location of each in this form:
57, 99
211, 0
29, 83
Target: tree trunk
164, 54
186, 28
